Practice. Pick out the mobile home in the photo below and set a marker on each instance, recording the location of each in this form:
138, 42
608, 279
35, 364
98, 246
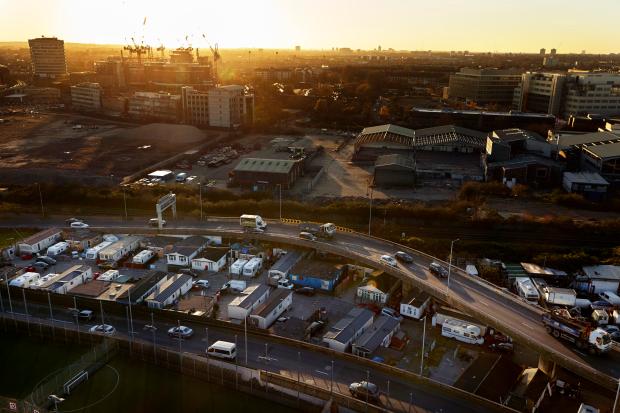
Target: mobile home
57, 248
39, 241
143, 257
462, 331
252, 267
93, 253
237, 266
25, 280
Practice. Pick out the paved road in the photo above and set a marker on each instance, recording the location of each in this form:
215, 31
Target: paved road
313, 367
501, 310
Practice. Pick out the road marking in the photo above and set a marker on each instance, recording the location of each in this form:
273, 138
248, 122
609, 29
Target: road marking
322, 372
527, 325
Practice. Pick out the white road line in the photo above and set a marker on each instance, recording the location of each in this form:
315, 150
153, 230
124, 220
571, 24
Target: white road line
527, 325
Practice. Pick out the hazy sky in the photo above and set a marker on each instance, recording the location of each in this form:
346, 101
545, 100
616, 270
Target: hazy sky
475, 25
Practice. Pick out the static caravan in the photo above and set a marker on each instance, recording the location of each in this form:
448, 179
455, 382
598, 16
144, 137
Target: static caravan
25, 280
252, 267
415, 305
93, 253
39, 241
243, 305
277, 303
57, 248
462, 331
237, 267
143, 257
282, 267
109, 275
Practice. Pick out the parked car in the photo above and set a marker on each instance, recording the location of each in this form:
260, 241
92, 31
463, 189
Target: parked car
614, 332
201, 284
364, 390
502, 347
180, 332
72, 220
438, 269
309, 291
307, 235
390, 312
404, 257
388, 260
79, 224
40, 265
188, 271
105, 329
30, 268
46, 259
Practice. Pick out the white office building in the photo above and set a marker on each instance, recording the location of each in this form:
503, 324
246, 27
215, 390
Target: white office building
86, 96
230, 106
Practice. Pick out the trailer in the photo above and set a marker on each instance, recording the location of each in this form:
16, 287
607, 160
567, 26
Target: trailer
319, 230
237, 266
93, 253
560, 296
57, 248
580, 333
143, 257
252, 267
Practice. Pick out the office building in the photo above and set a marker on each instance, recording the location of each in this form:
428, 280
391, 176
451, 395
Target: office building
155, 106
195, 106
48, 57
86, 97
543, 51
230, 107
484, 86
540, 92
572, 93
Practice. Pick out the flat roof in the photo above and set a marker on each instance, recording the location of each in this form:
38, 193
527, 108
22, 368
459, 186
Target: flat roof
377, 332
415, 296
140, 288
602, 272
91, 289
274, 299
160, 174
604, 150
567, 140
310, 267
589, 178
40, 236
265, 165
286, 262
250, 295
344, 330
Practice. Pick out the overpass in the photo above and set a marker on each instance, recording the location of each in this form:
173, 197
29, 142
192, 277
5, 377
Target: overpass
490, 304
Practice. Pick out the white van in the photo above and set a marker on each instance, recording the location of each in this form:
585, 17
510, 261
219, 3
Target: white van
223, 350
610, 297
181, 177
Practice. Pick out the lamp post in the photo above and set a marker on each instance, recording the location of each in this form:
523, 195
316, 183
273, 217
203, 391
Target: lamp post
41, 199
450, 263
125, 203
423, 340
280, 197
369, 207
200, 198
331, 386
616, 399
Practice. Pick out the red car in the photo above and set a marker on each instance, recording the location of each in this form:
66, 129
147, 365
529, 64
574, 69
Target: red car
30, 268
26, 257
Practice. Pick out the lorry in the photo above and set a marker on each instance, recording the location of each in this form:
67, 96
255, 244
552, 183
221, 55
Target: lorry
560, 296
318, 230
252, 223
579, 332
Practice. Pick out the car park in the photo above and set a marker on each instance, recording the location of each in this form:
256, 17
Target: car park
438, 269
180, 332
364, 390
46, 259
389, 260
403, 257
104, 329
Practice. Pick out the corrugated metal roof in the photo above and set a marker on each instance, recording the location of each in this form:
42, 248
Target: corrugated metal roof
389, 128
377, 332
265, 165
604, 150
344, 330
585, 178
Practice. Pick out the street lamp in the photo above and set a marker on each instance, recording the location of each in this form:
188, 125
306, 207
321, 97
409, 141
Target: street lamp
56, 400
369, 207
450, 263
125, 203
200, 198
41, 199
280, 196
423, 339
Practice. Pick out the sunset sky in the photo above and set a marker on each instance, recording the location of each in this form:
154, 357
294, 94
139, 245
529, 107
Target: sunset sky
475, 25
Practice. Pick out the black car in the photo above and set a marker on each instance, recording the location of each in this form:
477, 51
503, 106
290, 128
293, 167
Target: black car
40, 265
46, 259
309, 291
403, 257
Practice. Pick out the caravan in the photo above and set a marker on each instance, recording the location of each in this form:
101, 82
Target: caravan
461, 331
237, 266
93, 253
252, 267
57, 248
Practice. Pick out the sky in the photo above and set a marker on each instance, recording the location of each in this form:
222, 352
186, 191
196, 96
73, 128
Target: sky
474, 25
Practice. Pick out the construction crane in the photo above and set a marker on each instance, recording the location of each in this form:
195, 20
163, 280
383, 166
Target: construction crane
138, 49
161, 49
216, 58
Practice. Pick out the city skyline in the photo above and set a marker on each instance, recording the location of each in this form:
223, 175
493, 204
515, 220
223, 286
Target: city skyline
441, 25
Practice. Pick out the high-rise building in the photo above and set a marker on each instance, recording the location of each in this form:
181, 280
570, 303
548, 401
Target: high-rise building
86, 97
553, 52
484, 85
48, 57
298, 49
230, 106
543, 51
575, 92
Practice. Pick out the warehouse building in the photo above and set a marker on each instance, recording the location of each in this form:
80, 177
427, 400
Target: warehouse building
589, 184
260, 174
394, 170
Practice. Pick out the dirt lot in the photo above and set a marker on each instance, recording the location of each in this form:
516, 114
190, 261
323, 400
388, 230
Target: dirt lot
33, 145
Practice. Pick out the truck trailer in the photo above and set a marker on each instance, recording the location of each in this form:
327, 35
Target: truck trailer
581, 333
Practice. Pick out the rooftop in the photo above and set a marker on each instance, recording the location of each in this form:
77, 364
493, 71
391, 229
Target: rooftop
344, 330
265, 165
395, 159
142, 287
308, 267
602, 272
40, 236
389, 128
415, 297
286, 262
604, 150
213, 253
274, 299
540, 270
439, 135
516, 134
250, 295
377, 332
171, 286
91, 289
589, 178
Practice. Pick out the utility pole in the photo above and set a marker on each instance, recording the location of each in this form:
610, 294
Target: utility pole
41, 199
369, 208
450, 263
423, 339
280, 191
245, 332
200, 198
125, 203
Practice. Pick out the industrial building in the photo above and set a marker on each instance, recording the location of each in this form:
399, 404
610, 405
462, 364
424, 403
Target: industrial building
258, 174
48, 57
589, 184
603, 158
86, 97
394, 170
484, 86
